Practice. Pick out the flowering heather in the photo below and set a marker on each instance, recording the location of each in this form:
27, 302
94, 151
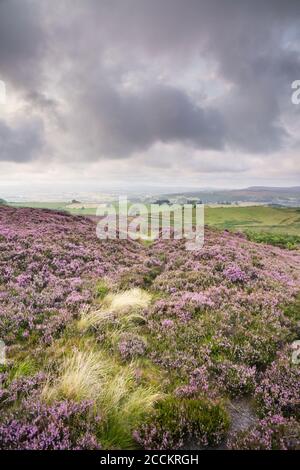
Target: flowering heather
64, 425
177, 420
131, 346
234, 274
151, 437
218, 325
278, 390
236, 379
199, 385
272, 433
20, 388
239, 315
49, 262
167, 323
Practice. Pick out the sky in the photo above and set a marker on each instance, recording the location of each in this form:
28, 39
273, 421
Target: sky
105, 94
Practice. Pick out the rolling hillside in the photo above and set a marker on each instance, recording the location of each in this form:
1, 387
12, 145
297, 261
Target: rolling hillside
112, 344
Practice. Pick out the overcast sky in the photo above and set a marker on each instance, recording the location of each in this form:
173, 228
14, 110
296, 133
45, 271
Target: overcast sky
103, 93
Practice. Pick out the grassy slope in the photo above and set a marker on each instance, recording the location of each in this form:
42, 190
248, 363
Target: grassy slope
61, 206
255, 218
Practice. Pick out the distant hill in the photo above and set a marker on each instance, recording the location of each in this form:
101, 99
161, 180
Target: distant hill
289, 197
295, 189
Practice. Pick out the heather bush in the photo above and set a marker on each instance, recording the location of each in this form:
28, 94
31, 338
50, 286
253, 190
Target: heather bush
141, 276
235, 274
177, 420
131, 345
278, 389
272, 433
19, 388
236, 379
213, 321
63, 425
199, 385
47, 262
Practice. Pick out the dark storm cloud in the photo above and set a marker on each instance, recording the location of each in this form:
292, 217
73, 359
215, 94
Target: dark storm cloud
131, 122
21, 143
246, 41
22, 42
252, 44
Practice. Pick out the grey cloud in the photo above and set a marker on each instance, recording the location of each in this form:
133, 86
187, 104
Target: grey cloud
126, 123
22, 42
21, 143
41, 101
245, 40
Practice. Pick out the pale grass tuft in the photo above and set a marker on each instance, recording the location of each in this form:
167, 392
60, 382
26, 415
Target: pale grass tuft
81, 376
123, 302
133, 319
121, 395
117, 389
141, 399
93, 318
122, 403
118, 304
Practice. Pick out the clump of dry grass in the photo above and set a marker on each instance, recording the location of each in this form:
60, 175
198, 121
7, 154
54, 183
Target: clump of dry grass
81, 376
92, 375
125, 404
123, 302
89, 374
116, 306
94, 318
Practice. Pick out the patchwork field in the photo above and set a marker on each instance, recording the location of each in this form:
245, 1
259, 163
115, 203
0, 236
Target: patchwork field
117, 345
255, 218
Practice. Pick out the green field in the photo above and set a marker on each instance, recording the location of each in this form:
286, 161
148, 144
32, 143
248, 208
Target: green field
274, 220
255, 218
60, 206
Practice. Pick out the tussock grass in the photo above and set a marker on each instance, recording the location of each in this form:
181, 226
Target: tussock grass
94, 318
125, 405
123, 302
81, 376
120, 400
117, 305
90, 373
